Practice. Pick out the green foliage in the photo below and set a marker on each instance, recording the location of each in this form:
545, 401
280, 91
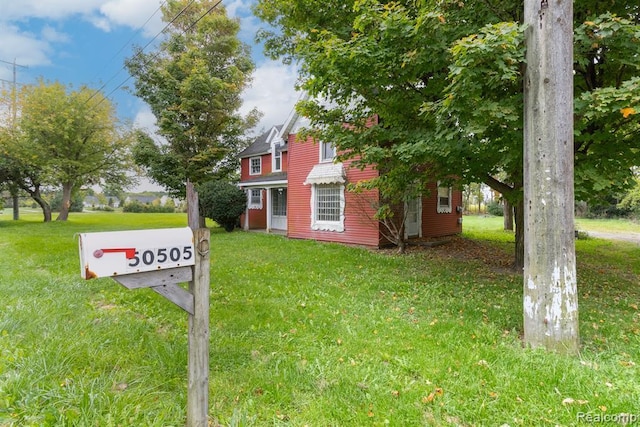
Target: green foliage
495, 208
193, 84
443, 82
65, 138
76, 203
138, 207
631, 201
222, 202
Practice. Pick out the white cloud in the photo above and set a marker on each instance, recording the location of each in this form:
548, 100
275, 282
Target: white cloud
272, 92
25, 48
49, 9
237, 8
145, 119
35, 48
134, 14
51, 35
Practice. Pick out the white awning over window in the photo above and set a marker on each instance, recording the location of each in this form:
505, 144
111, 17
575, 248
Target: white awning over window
326, 173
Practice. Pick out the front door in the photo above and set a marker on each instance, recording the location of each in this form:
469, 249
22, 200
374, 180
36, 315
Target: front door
412, 222
279, 208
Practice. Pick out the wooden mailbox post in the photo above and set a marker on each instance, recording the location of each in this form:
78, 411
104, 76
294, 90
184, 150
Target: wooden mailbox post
161, 259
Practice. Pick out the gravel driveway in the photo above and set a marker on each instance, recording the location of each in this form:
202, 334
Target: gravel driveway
627, 237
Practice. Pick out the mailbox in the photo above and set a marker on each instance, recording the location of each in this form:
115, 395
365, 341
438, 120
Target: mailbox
116, 253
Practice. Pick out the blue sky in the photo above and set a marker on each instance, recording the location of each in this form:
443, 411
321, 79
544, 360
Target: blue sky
85, 42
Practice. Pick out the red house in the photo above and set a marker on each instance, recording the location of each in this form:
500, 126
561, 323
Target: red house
295, 187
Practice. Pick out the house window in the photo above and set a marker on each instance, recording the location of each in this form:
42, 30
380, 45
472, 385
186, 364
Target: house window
327, 152
277, 160
444, 199
255, 166
327, 206
255, 198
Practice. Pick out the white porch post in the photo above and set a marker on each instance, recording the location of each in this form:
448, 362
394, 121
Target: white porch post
269, 210
246, 211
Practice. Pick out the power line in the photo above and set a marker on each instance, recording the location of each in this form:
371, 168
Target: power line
131, 38
158, 53
141, 50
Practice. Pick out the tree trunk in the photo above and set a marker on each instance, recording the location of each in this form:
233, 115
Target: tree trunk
66, 202
507, 210
16, 202
550, 288
512, 192
518, 263
46, 209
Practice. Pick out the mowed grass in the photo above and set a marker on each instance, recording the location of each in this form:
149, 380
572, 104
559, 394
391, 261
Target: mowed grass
305, 333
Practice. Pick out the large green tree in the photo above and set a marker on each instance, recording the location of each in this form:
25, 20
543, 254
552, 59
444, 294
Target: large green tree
446, 80
66, 139
73, 135
193, 83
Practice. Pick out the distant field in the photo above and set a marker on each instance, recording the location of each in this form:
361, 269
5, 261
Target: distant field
490, 222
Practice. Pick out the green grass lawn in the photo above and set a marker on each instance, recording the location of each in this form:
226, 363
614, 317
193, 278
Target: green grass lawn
305, 333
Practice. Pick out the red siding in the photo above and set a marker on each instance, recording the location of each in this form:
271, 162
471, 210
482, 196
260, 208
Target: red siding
245, 167
358, 229
436, 224
257, 217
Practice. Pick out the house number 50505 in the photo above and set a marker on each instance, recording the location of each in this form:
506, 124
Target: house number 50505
161, 256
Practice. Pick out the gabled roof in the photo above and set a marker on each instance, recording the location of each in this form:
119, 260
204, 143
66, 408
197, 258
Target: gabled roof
262, 144
277, 134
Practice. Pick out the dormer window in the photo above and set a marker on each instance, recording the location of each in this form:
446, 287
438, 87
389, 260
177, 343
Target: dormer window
327, 151
255, 166
277, 159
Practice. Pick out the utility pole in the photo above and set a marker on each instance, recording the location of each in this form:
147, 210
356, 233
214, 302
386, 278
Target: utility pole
14, 116
550, 283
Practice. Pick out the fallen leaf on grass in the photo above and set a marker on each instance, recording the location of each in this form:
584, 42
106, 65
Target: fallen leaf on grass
430, 398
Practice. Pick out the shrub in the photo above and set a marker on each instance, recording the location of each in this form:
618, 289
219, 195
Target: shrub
495, 208
137, 207
222, 202
631, 202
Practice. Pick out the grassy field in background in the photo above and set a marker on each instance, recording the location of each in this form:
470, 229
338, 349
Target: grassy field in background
304, 333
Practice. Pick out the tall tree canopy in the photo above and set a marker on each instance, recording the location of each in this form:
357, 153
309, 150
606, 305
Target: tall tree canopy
65, 139
445, 78
193, 84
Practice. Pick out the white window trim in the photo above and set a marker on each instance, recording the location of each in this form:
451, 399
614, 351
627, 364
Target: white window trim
273, 159
337, 226
251, 166
444, 208
254, 205
321, 152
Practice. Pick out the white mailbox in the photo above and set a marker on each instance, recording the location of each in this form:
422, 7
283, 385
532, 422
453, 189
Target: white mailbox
115, 253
